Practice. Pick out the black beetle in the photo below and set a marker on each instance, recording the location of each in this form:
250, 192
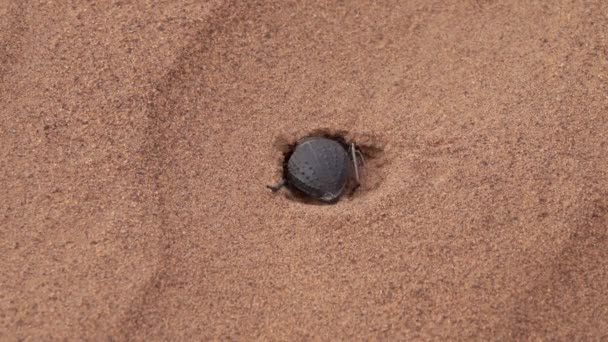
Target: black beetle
319, 168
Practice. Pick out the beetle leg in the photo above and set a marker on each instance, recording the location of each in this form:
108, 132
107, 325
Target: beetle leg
360, 154
357, 152
353, 151
277, 186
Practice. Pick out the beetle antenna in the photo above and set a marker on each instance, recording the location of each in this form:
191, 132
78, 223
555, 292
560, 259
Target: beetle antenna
277, 186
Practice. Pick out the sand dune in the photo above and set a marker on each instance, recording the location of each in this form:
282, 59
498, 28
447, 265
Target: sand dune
137, 139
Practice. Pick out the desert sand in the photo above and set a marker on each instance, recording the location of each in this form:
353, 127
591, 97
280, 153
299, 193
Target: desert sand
137, 138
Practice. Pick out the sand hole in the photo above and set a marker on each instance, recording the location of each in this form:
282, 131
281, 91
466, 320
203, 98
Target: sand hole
372, 147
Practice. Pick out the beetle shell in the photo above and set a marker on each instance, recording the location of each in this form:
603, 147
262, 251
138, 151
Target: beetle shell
319, 168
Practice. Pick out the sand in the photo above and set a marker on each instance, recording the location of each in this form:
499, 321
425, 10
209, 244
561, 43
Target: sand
137, 138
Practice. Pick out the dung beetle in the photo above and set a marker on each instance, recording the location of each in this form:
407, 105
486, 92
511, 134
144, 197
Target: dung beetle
320, 168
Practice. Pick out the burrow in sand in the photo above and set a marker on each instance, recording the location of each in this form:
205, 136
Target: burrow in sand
372, 148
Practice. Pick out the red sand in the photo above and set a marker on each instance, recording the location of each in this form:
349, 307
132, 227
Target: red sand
137, 140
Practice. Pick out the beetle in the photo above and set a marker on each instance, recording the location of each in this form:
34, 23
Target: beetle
320, 168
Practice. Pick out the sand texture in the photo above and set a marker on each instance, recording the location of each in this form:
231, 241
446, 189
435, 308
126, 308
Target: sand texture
137, 138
